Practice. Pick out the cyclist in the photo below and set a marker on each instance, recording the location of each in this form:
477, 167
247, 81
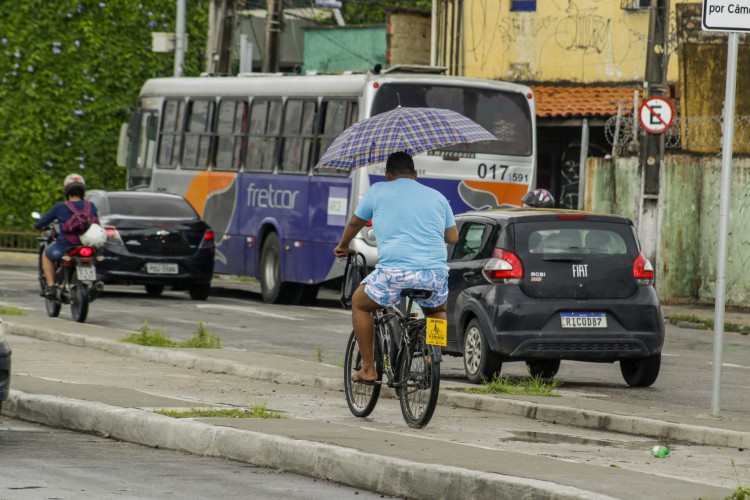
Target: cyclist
412, 224
74, 187
538, 198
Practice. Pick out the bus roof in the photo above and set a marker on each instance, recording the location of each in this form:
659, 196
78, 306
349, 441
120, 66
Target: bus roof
313, 85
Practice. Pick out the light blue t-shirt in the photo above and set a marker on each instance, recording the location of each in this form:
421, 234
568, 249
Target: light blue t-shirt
409, 220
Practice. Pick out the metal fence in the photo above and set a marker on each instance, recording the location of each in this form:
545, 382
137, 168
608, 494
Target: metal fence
18, 241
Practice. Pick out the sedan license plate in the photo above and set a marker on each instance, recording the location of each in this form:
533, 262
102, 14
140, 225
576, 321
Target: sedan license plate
161, 268
583, 320
86, 273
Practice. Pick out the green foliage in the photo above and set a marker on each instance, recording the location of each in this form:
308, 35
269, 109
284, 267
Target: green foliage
257, 411
155, 337
528, 386
11, 311
374, 12
70, 73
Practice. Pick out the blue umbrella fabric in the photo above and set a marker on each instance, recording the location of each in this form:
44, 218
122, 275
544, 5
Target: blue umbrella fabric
412, 130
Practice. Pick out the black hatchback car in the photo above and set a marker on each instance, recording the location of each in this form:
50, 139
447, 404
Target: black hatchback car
155, 240
545, 285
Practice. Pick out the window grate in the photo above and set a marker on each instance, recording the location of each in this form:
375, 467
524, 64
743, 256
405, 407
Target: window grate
635, 4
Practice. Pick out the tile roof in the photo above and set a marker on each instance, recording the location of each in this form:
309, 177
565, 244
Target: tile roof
577, 101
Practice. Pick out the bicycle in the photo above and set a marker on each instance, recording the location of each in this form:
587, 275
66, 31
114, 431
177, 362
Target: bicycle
402, 353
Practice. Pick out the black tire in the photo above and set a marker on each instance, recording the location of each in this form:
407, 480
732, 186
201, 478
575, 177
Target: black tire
53, 308
274, 291
419, 373
361, 398
480, 363
641, 372
200, 291
79, 300
306, 294
154, 290
544, 368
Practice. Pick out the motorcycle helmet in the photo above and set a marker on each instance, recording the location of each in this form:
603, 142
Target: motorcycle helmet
538, 198
95, 236
74, 185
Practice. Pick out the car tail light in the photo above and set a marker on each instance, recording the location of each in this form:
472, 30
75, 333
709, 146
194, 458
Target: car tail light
113, 236
643, 271
570, 217
504, 267
208, 238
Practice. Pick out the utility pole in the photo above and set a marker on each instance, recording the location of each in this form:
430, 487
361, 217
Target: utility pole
652, 145
274, 26
221, 23
179, 40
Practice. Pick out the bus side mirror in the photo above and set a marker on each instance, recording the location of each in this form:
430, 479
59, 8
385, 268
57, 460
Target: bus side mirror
123, 146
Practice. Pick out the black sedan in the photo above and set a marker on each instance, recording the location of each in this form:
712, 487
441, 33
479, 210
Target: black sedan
155, 240
541, 286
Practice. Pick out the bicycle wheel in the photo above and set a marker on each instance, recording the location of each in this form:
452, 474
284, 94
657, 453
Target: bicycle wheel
360, 397
420, 381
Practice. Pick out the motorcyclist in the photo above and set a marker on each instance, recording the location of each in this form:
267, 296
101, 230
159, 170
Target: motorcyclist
74, 187
538, 198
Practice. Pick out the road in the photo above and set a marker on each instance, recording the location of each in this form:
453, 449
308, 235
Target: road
319, 333
39, 463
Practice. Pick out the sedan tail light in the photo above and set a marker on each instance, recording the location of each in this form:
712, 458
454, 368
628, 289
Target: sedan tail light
504, 267
643, 271
208, 238
113, 236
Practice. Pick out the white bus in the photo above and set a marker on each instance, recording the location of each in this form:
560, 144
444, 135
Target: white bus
242, 151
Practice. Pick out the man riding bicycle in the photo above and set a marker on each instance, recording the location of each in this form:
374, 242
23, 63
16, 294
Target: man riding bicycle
412, 224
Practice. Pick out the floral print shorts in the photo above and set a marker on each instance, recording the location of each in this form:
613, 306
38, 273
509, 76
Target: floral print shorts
384, 286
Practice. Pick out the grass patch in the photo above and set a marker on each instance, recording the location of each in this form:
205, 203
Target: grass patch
257, 411
11, 311
155, 337
527, 386
707, 324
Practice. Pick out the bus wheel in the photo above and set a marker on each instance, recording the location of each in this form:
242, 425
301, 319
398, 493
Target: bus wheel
273, 289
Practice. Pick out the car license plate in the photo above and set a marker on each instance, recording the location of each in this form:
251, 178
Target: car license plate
161, 268
583, 320
86, 273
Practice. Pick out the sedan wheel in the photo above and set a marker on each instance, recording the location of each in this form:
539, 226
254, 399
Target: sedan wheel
640, 372
545, 369
480, 363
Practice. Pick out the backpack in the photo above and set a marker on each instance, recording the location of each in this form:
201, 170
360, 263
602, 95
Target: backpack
78, 223
354, 273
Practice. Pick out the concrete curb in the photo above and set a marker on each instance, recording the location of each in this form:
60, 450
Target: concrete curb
577, 417
387, 475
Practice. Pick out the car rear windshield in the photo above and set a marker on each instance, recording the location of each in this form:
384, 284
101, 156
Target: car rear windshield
151, 206
505, 114
576, 259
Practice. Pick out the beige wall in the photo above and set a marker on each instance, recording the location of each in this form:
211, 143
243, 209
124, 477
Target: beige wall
408, 38
569, 40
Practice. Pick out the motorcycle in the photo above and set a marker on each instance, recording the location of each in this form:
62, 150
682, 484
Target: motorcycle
75, 277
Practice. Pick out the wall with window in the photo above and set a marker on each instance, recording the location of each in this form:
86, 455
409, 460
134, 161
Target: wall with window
349, 48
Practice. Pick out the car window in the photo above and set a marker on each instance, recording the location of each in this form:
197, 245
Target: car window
471, 239
151, 206
576, 240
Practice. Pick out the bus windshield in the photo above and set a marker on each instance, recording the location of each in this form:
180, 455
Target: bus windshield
505, 114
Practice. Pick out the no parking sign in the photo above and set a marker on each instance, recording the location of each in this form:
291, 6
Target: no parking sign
656, 115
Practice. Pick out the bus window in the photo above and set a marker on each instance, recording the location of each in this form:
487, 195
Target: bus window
265, 119
505, 114
230, 134
297, 139
170, 139
197, 144
337, 115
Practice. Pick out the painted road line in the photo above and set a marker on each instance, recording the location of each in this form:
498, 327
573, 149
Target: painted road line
250, 310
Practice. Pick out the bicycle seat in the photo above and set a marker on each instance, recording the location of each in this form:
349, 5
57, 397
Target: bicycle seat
416, 293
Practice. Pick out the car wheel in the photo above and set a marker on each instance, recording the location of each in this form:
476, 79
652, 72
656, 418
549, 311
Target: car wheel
154, 290
480, 363
200, 291
640, 372
274, 291
545, 369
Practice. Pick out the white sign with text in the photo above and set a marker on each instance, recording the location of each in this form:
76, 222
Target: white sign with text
726, 15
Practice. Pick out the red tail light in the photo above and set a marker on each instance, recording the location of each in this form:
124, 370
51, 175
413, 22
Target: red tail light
369, 223
643, 271
209, 235
570, 216
504, 267
113, 236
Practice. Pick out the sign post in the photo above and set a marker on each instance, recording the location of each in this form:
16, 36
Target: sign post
732, 16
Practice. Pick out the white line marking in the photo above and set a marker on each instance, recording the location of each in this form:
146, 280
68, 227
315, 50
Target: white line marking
730, 365
246, 309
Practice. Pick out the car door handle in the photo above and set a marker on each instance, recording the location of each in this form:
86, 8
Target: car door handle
469, 275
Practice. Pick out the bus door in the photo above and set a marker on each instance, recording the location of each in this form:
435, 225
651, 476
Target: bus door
137, 148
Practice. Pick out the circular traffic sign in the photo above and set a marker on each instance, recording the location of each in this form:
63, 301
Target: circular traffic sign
656, 115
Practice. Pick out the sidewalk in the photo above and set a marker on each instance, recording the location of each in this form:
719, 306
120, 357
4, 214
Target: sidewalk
321, 448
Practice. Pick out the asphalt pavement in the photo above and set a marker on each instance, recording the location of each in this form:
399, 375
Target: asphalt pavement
318, 449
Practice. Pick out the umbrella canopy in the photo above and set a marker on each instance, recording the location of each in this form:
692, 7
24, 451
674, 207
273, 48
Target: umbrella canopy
412, 130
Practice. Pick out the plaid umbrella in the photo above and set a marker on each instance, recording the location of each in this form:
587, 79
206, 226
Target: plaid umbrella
412, 130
